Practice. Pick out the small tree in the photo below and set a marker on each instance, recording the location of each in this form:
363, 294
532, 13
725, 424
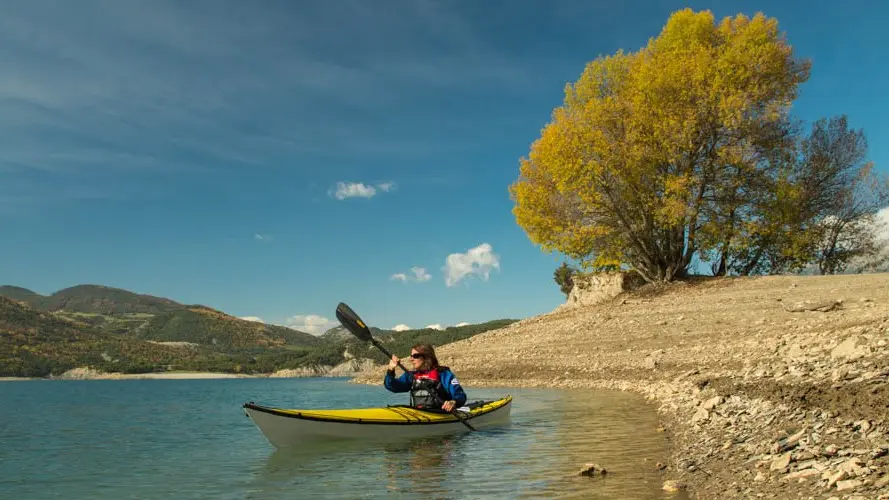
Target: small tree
878, 261
564, 277
820, 207
846, 194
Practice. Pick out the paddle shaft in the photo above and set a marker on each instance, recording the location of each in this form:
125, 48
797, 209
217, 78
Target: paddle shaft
386, 352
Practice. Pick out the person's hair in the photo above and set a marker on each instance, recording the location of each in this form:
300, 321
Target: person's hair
429, 361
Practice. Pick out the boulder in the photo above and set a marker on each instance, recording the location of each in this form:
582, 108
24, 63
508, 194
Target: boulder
601, 287
852, 348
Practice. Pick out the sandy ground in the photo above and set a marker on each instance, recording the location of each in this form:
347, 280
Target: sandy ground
768, 387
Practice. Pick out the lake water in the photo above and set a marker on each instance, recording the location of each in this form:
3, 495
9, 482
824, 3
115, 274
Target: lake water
191, 439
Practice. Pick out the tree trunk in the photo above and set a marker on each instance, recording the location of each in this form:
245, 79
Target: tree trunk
752, 262
720, 271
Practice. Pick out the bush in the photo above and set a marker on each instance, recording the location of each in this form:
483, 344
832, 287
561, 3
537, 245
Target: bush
564, 277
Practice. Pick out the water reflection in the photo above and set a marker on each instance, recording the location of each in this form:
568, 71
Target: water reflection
538, 455
422, 466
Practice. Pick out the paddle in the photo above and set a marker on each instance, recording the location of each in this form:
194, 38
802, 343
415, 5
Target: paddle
349, 319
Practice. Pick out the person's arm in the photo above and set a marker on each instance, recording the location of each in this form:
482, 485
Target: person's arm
455, 390
400, 384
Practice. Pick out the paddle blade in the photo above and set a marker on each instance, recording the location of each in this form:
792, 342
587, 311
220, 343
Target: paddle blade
352, 322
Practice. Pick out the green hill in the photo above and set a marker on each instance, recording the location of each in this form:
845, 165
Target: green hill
20, 294
94, 299
107, 300
207, 326
111, 329
147, 317
340, 333
36, 343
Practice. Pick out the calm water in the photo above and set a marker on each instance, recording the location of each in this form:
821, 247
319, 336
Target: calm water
190, 439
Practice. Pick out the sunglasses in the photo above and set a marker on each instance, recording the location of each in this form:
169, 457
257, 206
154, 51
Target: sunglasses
417, 355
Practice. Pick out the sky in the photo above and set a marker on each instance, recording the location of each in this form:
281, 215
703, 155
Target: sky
272, 159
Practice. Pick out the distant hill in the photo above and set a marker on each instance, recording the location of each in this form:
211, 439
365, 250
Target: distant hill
93, 299
20, 294
203, 325
107, 300
38, 343
112, 329
148, 317
340, 333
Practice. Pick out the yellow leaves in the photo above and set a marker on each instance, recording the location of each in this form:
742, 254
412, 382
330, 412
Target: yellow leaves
640, 134
676, 198
605, 262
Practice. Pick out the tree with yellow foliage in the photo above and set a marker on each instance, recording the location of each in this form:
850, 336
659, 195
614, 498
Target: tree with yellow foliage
651, 150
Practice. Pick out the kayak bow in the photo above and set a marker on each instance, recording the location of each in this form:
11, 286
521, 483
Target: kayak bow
288, 427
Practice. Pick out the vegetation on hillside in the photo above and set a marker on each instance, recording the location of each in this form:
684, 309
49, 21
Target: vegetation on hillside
93, 299
687, 148
35, 343
564, 277
20, 294
206, 326
37, 340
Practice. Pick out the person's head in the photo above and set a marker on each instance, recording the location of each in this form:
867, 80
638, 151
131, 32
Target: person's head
423, 357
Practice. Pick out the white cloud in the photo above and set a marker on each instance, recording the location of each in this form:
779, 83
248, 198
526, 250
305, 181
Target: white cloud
401, 327
353, 190
346, 190
435, 326
419, 275
310, 323
463, 323
262, 237
477, 261
253, 318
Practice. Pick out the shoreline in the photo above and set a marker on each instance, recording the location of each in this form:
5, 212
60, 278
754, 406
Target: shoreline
94, 375
771, 387
90, 374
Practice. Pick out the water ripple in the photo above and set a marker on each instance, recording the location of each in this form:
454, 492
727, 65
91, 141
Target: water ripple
190, 439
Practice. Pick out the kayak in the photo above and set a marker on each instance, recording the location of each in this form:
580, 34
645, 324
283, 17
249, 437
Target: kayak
288, 427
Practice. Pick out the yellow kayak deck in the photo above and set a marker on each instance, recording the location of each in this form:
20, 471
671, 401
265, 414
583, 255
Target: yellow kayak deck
384, 415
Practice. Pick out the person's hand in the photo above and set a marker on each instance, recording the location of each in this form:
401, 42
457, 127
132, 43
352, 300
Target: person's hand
394, 362
449, 405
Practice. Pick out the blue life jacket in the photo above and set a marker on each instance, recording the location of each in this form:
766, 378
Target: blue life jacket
429, 389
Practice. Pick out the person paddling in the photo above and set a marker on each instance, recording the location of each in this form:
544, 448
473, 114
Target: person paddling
431, 385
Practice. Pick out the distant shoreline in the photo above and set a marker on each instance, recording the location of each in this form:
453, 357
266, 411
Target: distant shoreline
89, 374
137, 376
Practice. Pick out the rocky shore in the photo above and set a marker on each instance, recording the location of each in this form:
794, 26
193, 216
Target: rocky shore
768, 387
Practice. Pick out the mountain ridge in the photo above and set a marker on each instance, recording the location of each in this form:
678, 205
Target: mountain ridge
114, 329
93, 298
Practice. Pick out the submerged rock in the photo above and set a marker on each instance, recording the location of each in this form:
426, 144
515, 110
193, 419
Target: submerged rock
592, 469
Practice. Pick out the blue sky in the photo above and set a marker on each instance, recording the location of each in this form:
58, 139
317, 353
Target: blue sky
194, 150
